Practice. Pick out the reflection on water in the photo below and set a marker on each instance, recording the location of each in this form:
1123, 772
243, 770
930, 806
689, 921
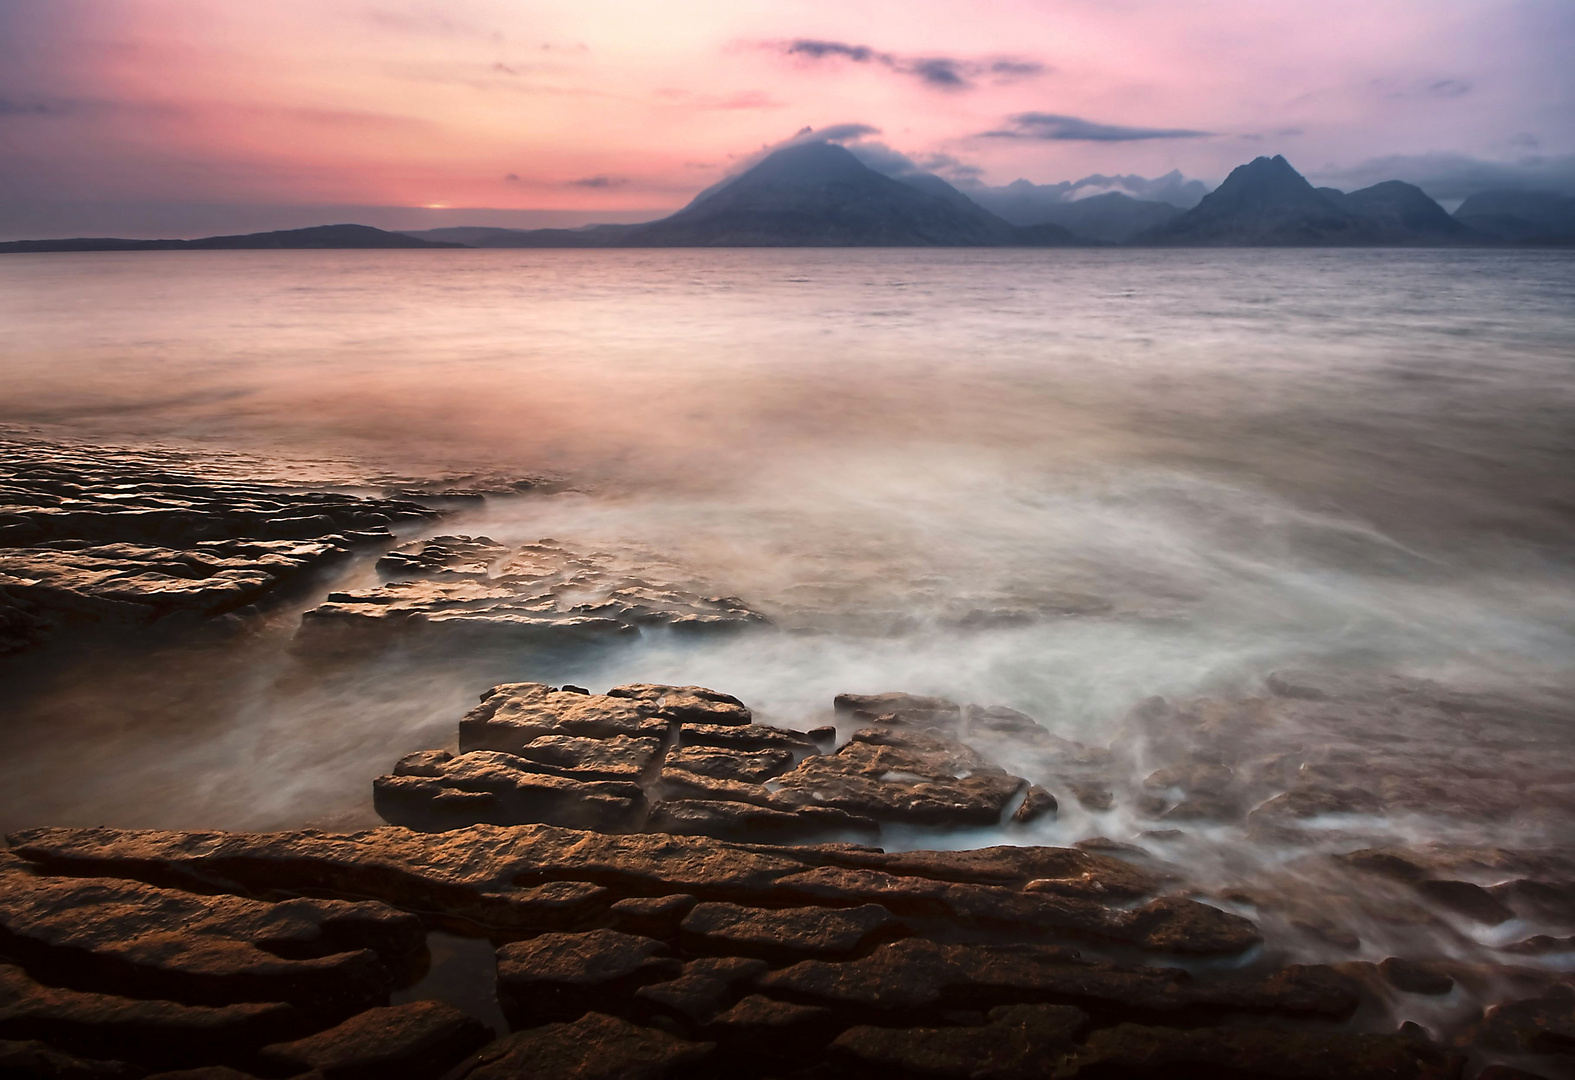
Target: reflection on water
1060, 481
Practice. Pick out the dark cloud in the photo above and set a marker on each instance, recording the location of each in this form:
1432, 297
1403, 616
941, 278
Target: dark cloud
938, 72
9, 107
1037, 125
1449, 177
598, 181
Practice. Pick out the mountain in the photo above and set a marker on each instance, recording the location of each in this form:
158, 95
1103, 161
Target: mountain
1111, 218
820, 195
319, 236
1521, 217
1266, 203
589, 236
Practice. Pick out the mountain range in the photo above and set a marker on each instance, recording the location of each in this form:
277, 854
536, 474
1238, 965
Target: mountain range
819, 194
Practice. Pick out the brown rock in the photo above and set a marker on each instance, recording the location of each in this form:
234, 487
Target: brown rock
563, 976
34, 1060
760, 1027
706, 987
788, 934
747, 737
929, 714
1543, 1024
157, 1034
595, 1047
327, 956
1037, 804
1132, 1050
1415, 978
513, 715
687, 704
752, 767
486, 786
416, 1040
617, 758
1472, 901
653, 916
1019, 1041
748, 822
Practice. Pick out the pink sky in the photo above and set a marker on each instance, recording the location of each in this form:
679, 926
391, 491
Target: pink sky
603, 105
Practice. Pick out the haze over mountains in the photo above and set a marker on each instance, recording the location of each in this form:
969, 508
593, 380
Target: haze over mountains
819, 194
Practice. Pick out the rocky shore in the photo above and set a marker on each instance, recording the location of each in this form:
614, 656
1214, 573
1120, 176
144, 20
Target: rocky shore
649, 882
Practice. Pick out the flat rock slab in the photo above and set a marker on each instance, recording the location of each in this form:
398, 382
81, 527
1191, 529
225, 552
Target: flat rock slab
485, 873
471, 590
116, 937
489, 786
417, 1039
562, 976
1137, 1051
1016, 1041
787, 934
705, 988
594, 1047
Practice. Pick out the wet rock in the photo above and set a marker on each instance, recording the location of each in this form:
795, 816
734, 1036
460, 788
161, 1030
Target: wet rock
486, 874
155, 1034
563, 976
687, 704
34, 1060
1537, 1025
485, 786
1037, 803
1131, 1050
907, 777
443, 557
423, 763
1001, 722
417, 1039
1538, 944
512, 716
1094, 798
122, 937
617, 758
1017, 1041
748, 737
1470, 900
748, 822
932, 715
917, 977
705, 988
462, 591
786, 935
653, 916
752, 767
1415, 978
594, 1047
760, 1027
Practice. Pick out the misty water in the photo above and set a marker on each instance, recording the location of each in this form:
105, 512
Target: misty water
1061, 481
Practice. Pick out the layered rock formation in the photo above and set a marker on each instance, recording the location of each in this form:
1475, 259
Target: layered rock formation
96, 537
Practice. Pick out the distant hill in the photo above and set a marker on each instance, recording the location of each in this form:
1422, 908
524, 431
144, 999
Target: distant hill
1267, 203
1521, 217
1111, 218
319, 236
820, 195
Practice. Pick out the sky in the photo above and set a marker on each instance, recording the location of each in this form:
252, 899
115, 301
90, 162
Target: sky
182, 117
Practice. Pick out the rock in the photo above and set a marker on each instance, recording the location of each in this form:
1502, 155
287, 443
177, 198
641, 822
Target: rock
1001, 722
1136, 1051
563, 976
914, 978
745, 821
617, 758
751, 767
1472, 901
1036, 804
760, 1027
1538, 1025
786, 935
905, 777
653, 916
487, 875
595, 1047
462, 591
679, 784
155, 1034
329, 957
417, 1039
748, 737
932, 715
485, 786
512, 716
1415, 978
35, 1060
705, 988
688, 704
1017, 1041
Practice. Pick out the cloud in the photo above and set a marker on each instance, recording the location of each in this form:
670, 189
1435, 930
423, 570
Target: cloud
1455, 176
938, 72
599, 181
1037, 125
9, 107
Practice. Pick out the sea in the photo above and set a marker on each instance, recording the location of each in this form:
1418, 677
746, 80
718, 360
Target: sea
1056, 480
